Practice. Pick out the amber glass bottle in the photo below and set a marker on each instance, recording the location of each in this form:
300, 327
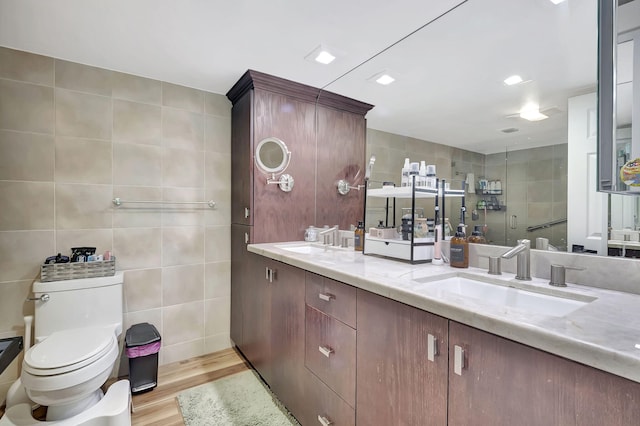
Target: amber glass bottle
477, 237
459, 250
358, 243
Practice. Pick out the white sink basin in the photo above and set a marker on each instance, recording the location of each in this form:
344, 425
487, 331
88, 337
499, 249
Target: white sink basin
302, 248
501, 295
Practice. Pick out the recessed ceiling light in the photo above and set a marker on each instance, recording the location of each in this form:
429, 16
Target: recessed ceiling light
556, 1
325, 57
532, 112
321, 55
514, 79
385, 79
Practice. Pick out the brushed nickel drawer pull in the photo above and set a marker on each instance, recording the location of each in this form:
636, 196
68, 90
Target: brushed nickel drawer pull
324, 421
326, 296
432, 347
458, 360
326, 351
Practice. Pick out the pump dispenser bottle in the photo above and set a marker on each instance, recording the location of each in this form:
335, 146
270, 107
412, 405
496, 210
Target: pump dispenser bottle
459, 250
358, 243
422, 175
405, 173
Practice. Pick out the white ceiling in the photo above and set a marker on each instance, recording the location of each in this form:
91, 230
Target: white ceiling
449, 74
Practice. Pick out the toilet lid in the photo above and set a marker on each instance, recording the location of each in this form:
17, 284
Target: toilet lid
68, 350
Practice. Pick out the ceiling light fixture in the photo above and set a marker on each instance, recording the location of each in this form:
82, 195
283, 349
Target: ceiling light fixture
514, 79
321, 55
383, 77
556, 1
532, 112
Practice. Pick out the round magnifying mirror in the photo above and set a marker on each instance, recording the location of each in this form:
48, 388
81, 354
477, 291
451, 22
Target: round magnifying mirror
272, 156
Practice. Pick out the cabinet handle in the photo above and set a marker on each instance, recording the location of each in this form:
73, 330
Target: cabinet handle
324, 421
267, 273
432, 347
326, 296
246, 238
246, 212
513, 221
272, 275
326, 351
458, 360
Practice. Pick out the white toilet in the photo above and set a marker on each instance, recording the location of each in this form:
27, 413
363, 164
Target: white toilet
77, 324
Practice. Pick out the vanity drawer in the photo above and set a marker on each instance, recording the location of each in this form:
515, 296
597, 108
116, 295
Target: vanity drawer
323, 406
331, 297
330, 353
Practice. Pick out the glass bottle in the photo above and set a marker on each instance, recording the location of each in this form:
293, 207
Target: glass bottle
358, 234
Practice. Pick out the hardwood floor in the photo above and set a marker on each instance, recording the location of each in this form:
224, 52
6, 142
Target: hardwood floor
160, 407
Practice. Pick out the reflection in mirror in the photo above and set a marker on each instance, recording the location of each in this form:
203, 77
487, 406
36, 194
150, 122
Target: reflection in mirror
272, 156
619, 162
450, 107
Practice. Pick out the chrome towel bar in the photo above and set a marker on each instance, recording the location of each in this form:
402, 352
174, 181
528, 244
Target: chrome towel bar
119, 202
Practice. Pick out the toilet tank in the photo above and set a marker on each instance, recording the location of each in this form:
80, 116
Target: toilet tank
79, 303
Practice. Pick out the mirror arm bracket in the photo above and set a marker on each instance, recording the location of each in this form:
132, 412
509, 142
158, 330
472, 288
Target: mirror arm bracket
285, 182
344, 187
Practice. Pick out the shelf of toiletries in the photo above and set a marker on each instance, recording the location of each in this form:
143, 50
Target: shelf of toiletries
489, 187
407, 192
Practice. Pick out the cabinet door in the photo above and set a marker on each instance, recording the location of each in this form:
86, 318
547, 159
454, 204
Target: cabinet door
256, 316
287, 335
242, 161
283, 216
396, 381
506, 383
240, 235
341, 151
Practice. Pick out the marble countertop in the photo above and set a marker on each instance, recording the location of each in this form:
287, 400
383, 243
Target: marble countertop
605, 333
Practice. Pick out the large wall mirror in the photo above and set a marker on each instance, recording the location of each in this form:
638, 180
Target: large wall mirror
452, 105
619, 26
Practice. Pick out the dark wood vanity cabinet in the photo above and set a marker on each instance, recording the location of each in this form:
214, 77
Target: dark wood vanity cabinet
398, 381
506, 383
272, 318
393, 364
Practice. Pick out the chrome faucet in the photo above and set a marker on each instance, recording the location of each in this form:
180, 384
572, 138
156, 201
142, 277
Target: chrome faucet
524, 259
332, 233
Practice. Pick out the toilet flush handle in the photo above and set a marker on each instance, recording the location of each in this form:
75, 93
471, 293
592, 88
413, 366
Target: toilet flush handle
44, 298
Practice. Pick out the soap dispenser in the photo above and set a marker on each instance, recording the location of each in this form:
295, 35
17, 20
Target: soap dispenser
459, 250
358, 243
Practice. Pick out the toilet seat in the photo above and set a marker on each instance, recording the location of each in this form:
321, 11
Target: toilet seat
91, 355
69, 350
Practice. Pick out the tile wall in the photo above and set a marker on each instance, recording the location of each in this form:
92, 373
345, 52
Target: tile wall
73, 137
535, 191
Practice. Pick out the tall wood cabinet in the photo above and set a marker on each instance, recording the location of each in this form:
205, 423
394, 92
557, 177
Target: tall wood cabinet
325, 133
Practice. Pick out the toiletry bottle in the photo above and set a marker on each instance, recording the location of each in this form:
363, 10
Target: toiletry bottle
405, 173
459, 250
431, 176
414, 171
358, 243
422, 175
477, 238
